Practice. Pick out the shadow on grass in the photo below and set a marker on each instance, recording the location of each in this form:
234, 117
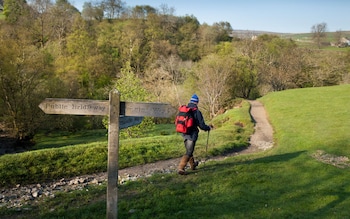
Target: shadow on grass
269, 159
62, 139
307, 191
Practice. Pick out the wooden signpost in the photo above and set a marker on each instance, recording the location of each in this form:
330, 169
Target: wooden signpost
121, 115
102, 107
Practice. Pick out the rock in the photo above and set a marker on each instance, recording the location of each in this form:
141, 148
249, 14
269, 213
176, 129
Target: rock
35, 194
95, 181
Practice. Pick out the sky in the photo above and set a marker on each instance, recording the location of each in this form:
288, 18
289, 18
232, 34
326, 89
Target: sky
280, 16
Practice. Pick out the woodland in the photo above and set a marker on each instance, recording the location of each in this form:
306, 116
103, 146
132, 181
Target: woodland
52, 50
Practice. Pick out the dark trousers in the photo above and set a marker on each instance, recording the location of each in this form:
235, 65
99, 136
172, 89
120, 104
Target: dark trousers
189, 145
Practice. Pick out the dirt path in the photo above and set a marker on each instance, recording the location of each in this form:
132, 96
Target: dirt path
262, 139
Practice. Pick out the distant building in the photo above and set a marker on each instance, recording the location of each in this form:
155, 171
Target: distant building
343, 42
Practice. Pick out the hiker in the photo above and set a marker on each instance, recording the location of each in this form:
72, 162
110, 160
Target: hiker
191, 137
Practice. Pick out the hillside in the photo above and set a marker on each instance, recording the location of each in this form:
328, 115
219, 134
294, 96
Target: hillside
303, 39
303, 176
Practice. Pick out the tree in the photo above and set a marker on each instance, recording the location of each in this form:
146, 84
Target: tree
319, 33
208, 37
25, 73
142, 11
131, 89
164, 77
279, 63
129, 41
187, 37
77, 66
130, 86
61, 19
212, 73
223, 31
337, 37
329, 71
15, 10
92, 12
159, 34
113, 8
346, 58
244, 80
40, 28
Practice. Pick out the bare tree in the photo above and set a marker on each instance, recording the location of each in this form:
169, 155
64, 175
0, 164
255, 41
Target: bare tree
164, 77
113, 8
337, 36
319, 33
212, 74
59, 22
142, 11
92, 11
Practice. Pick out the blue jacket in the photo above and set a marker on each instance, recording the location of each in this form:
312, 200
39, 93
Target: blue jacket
199, 122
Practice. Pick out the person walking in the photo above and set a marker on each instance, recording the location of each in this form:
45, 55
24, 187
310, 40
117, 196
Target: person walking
191, 137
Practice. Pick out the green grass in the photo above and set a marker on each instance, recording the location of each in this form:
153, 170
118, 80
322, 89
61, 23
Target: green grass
284, 182
45, 140
311, 119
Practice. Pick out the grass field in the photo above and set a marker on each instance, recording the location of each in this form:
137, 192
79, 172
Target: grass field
305, 40
301, 177
316, 118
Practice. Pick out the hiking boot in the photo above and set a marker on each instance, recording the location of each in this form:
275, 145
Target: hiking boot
193, 164
181, 172
182, 165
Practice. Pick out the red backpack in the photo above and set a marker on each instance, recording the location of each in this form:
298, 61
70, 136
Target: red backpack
184, 120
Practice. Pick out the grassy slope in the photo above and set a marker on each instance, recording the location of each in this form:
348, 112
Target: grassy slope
285, 182
311, 119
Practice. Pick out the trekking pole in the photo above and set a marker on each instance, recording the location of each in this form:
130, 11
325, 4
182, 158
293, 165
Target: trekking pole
206, 149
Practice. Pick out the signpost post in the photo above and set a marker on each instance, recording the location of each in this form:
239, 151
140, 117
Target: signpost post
113, 148
121, 115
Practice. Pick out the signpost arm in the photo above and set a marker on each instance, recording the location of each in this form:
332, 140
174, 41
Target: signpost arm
113, 148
